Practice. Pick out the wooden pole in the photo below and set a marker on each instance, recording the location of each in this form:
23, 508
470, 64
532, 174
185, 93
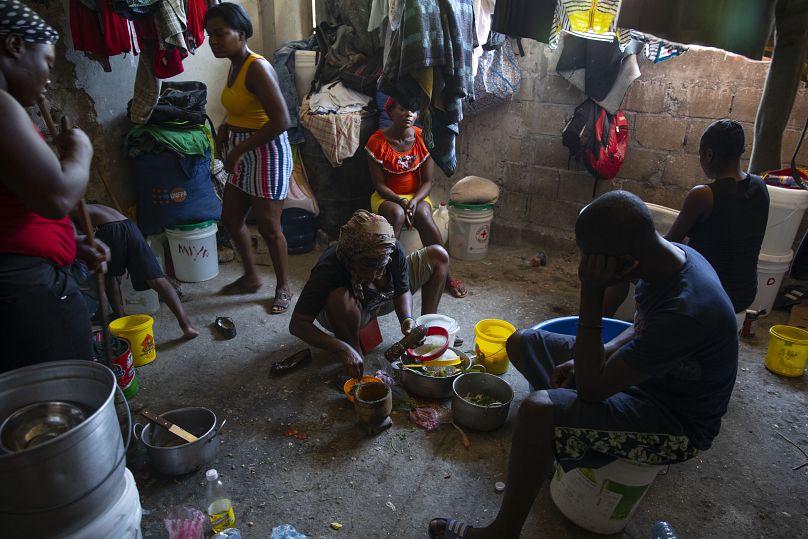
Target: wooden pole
88, 228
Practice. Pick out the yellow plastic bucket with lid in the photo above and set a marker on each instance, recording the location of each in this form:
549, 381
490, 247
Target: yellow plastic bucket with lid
788, 350
490, 336
138, 330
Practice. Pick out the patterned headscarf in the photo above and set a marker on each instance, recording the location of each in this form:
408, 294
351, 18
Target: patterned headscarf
17, 18
366, 237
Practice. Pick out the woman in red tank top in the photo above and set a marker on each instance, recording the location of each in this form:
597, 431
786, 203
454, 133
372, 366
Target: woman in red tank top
43, 316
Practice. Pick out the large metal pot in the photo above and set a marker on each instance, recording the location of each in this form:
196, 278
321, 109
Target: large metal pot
478, 417
430, 387
59, 485
172, 456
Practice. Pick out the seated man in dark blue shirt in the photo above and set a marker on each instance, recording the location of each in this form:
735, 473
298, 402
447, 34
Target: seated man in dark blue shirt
365, 275
654, 395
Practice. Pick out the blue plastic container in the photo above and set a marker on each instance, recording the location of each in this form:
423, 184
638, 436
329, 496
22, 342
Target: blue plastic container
567, 325
300, 230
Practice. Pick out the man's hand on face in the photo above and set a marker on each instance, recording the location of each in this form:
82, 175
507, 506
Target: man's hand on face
598, 272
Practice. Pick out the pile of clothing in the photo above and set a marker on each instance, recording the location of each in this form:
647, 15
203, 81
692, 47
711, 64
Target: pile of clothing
333, 115
162, 32
172, 160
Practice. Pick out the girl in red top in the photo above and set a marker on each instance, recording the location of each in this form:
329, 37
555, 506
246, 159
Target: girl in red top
42, 314
402, 171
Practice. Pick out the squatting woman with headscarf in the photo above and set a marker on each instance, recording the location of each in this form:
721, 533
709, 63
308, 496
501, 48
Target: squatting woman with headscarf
42, 314
365, 275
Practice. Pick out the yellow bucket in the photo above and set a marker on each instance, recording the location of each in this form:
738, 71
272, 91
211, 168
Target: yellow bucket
137, 329
788, 350
490, 336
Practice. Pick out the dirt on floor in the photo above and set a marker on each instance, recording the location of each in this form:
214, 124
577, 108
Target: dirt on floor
293, 453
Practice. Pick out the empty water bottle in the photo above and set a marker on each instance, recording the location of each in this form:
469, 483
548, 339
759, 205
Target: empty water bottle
663, 530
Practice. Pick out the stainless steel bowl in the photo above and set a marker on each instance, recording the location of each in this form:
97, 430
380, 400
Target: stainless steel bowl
475, 416
430, 387
170, 454
38, 423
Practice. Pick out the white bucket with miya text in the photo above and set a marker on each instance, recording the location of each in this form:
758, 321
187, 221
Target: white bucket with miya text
469, 230
602, 500
770, 272
193, 251
786, 208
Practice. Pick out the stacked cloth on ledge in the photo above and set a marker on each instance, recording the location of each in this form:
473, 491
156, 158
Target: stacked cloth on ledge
336, 132
428, 66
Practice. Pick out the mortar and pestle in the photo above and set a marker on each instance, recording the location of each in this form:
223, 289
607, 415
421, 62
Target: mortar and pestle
373, 402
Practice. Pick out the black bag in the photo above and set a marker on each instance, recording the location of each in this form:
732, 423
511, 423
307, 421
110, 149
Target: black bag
579, 131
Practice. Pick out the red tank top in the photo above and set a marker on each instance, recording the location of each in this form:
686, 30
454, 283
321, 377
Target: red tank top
24, 232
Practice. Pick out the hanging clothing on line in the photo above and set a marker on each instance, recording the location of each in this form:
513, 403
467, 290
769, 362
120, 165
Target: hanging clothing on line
428, 68
99, 33
739, 26
483, 11
592, 19
531, 19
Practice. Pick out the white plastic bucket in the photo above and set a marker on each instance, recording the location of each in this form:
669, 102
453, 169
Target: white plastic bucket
193, 251
440, 320
786, 207
410, 240
305, 66
664, 217
602, 500
469, 230
770, 272
138, 301
120, 521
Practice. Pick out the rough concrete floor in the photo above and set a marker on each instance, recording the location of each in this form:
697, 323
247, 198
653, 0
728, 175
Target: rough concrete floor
392, 484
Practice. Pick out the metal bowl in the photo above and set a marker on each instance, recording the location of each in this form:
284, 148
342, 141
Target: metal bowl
38, 423
475, 416
430, 387
170, 454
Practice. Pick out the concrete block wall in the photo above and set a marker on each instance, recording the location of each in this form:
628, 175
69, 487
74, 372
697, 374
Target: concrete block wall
668, 107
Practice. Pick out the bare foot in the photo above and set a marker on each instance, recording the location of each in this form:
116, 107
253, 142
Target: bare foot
189, 333
243, 285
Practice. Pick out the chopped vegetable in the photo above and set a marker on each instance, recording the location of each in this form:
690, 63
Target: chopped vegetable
481, 399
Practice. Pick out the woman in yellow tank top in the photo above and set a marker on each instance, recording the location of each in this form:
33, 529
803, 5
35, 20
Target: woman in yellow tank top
258, 155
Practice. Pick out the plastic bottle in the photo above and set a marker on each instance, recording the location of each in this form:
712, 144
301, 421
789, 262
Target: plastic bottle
441, 218
220, 509
663, 530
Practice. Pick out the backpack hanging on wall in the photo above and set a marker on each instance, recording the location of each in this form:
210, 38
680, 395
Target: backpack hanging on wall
598, 139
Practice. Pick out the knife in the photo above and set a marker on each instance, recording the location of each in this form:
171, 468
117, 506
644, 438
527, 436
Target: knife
169, 426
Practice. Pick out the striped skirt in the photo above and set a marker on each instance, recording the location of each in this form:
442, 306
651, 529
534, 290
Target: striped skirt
265, 171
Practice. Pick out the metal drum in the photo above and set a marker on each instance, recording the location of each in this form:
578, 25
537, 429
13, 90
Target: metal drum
66, 478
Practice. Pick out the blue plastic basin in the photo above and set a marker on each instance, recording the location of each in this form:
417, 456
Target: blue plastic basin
567, 325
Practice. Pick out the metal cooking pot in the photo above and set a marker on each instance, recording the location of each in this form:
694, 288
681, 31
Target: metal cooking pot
430, 387
478, 417
170, 454
57, 486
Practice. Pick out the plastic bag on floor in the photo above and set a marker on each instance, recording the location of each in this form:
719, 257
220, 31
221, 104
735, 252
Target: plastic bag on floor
286, 531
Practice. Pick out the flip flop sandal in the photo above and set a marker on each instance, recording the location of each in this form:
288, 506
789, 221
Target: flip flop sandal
454, 529
289, 364
281, 302
456, 288
226, 327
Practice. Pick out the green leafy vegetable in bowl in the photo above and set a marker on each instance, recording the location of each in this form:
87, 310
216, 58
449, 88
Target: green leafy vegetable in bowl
481, 399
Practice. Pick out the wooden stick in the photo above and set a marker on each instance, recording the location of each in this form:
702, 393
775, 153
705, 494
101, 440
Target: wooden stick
88, 229
108, 188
